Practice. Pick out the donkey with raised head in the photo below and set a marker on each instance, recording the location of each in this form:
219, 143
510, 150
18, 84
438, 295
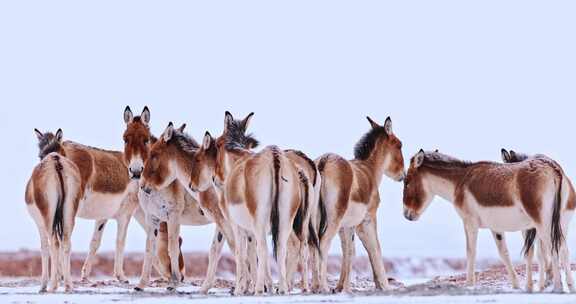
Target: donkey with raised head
530, 235
165, 196
349, 198
264, 191
52, 196
488, 195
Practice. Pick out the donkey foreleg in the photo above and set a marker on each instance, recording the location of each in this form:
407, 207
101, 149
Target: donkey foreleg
94, 245
500, 240
213, 259
348, 252
471, 231
122, 229
152, 230
368, 234
174, 250
529, 257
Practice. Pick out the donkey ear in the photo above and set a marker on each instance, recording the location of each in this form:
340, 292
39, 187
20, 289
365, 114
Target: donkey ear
505, 156
167, 135
58, 135
128, 116
207, 141
246, 121
228, 119
182, 127
419, 159
388, 125
372, 123
39, 134
513, 155
145, 116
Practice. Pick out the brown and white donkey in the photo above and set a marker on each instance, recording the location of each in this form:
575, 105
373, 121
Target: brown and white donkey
264, 191
530, 235
169, 203
52, 196
349, 198
499, 197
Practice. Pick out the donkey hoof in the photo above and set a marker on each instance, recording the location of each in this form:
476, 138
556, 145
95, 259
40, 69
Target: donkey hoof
42, 290
138, 289
171, 288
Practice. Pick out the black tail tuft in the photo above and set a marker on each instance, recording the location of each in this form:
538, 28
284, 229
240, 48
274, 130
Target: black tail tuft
58, 222
275, 212
313, 237
529, 238
557, 235
302, 213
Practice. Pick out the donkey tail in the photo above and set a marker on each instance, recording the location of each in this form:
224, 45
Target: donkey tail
275, 212
321, 205
302, 213
529, 238
557, 235
58, 222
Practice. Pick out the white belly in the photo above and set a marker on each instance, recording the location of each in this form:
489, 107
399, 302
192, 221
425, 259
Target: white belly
504, 219
96, 206
355, 214
240, 215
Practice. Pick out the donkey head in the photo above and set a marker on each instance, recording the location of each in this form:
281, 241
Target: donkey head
417, 195
381, 145
203, 164
160, 168
136, 141
49, 142
231, 145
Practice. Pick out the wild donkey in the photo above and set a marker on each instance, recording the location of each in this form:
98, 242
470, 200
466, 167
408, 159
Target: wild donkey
52, 197
107, 194
349, 198
166, 170
530, 235
262, 192
488, 195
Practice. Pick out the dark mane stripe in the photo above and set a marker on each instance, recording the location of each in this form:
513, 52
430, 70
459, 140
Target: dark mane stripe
441, 161
236, 139
184, 142
309, 161
367, 142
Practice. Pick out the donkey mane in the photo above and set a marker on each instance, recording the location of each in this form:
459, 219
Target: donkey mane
236, 139
367, 142
183, 142
442, 161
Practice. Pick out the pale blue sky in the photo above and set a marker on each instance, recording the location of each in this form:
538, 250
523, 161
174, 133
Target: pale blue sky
467, 77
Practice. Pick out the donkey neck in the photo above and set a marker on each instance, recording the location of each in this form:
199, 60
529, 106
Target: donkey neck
183, 166
444, 181
374, 165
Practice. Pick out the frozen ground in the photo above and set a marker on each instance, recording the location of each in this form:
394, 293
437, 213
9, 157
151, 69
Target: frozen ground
493, 288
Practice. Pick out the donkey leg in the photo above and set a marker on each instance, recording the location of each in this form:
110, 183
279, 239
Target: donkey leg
252, 265
544, 270
65, 260
567, 266
174, 251
213, 259
151, 242
348, 252
262, 253
368, 234
545, 236
529, 259
471, 246
122, 228
500, 240
239, 257
283, 236
54, 264
45, 247
293, 260
94, 245
331, 230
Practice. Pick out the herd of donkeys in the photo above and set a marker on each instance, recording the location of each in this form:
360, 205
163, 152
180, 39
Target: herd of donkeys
303, 204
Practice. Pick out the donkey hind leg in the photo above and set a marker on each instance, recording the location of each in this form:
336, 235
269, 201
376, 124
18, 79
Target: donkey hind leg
213, 259
45, 247
262, 254
65, 250
368, 234
529, 260
121, 231
331, 230
54, 263
545, 237
567, 267
293, 259
152, 229
240, 255
544, 268
283, 236
500, 240
348, 253
252, 265
471, 247
94, 245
